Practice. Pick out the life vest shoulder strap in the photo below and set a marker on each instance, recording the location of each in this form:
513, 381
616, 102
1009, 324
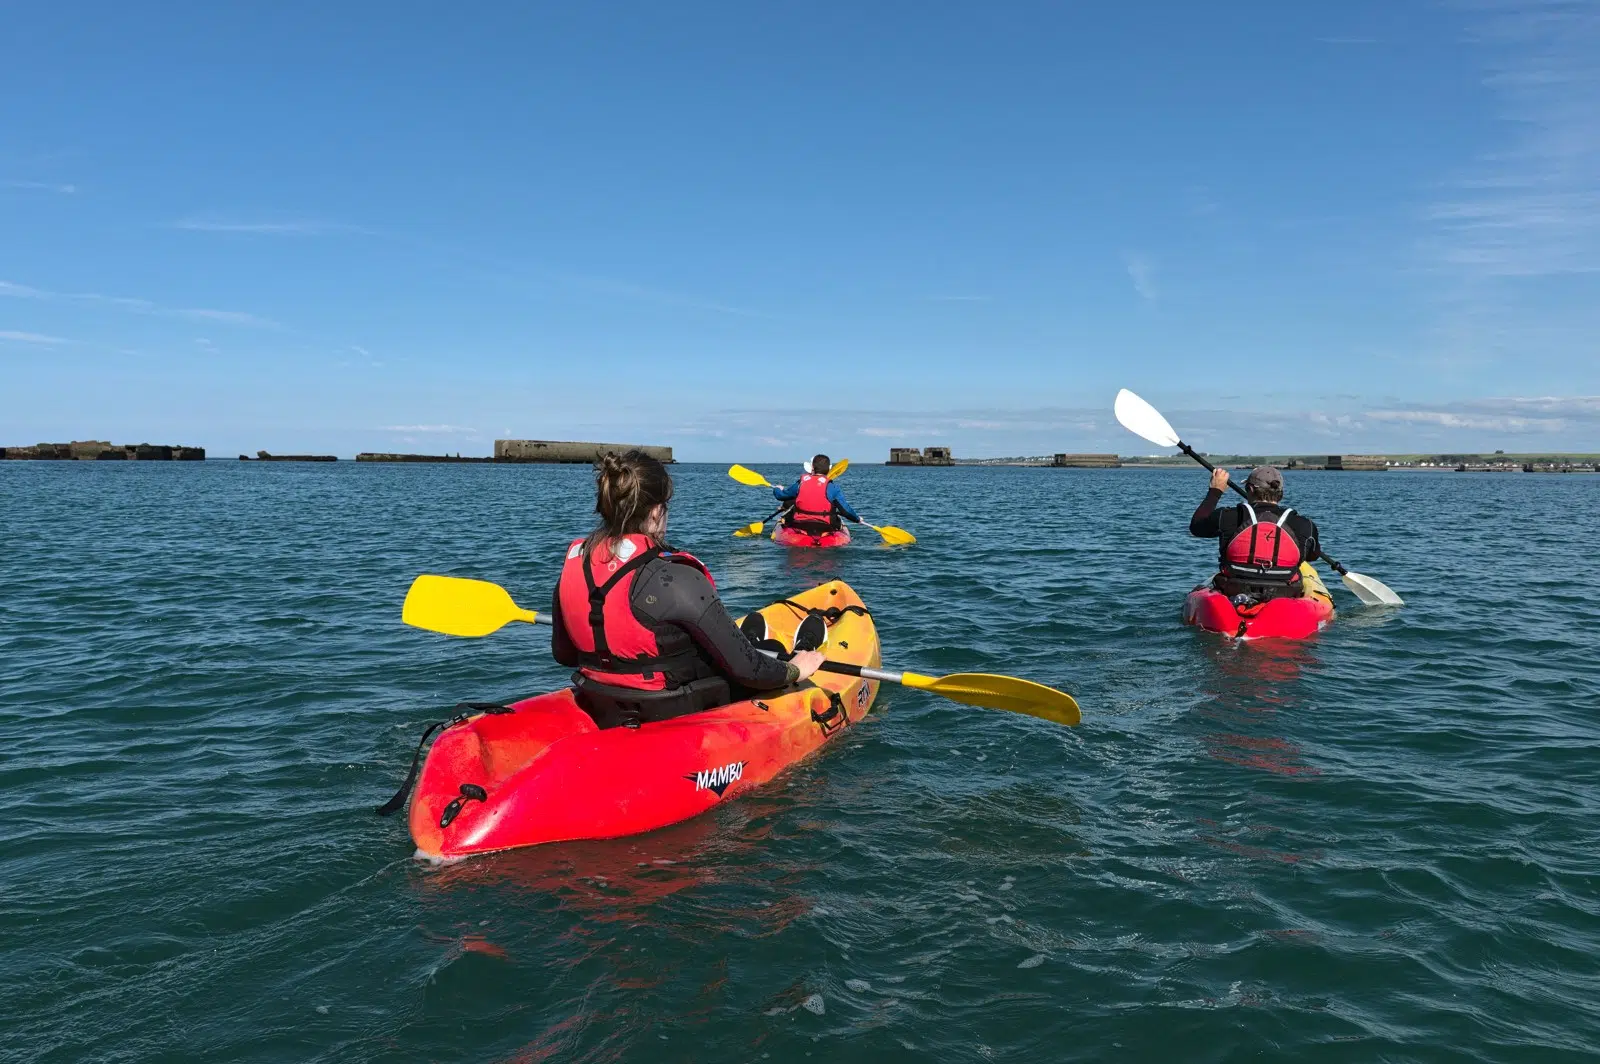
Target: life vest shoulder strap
599, 592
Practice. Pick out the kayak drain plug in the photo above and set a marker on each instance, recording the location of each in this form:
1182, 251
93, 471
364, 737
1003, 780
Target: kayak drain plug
469, 792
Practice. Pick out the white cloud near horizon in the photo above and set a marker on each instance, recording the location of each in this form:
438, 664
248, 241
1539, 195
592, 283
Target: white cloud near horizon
1340, 425
446, 430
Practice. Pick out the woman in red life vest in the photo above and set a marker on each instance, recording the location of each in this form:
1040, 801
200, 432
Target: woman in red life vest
642, 622
817, 501
1262, 542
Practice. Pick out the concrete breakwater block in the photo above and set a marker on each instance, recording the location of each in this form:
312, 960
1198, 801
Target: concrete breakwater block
263, 456
102, 451
562, 451
372, 456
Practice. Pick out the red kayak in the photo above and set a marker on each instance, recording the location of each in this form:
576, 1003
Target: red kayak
541, 771
791, 537
1282, 618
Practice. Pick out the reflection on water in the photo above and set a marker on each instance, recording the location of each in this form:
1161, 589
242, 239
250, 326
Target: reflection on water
1247, 684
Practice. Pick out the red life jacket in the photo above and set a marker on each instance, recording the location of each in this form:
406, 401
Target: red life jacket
812, 507
1264, 554
614, 646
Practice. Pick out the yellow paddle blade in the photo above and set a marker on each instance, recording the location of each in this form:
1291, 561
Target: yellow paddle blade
754, 528
749, 476
895, 536
838, 469
1000, 692
457, 606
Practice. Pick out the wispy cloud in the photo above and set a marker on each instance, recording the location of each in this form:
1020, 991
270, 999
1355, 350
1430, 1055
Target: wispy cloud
226, 317
13, 336
41, 186
443, 430
1330, 425
1532, 208
1509, 414
1142, 272
1447, 420
263, 227
138, 306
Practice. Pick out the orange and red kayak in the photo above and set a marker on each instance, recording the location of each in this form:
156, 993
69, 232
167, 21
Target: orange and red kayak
793, 537
1281, 618
543, 772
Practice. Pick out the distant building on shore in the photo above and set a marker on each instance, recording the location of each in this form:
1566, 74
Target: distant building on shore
561, 451
1087, 461
928, 456
1365, 462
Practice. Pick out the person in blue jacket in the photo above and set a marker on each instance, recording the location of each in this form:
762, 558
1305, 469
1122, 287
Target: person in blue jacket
817, 502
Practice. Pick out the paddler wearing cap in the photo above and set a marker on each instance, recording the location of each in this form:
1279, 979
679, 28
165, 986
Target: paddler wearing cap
1261, 541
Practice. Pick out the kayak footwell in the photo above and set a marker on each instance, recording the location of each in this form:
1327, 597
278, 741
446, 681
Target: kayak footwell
1284, 618
548, 774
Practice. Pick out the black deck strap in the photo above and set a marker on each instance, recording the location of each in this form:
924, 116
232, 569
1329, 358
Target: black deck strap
494, 709
463, 711
831, 614
831, 721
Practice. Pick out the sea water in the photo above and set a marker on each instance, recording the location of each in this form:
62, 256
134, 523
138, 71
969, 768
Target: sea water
1380, 844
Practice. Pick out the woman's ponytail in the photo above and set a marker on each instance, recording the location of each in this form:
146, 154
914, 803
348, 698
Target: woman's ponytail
627, 488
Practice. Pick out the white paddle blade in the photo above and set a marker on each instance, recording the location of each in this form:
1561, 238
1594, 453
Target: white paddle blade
1370, 591
1142, 419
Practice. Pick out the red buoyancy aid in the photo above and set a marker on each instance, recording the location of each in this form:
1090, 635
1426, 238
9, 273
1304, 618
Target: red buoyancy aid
1264, 553
614, 646
812, 505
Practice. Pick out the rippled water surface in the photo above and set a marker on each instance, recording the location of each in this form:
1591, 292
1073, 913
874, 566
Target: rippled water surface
1382, 844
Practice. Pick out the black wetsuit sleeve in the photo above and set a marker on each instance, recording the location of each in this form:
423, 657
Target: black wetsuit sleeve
561, 645
684, 597
1305, 530
1205, 522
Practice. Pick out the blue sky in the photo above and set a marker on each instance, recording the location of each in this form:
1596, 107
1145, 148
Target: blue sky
753, 231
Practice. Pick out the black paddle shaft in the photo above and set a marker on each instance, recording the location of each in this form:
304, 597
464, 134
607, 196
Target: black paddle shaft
1333, 563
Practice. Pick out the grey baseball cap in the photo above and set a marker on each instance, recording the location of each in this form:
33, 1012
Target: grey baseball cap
1264, 476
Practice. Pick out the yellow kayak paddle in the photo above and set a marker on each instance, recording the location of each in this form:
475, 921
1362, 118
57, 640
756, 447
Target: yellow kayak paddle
455, 605
751, 478
896, 537
473, 608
